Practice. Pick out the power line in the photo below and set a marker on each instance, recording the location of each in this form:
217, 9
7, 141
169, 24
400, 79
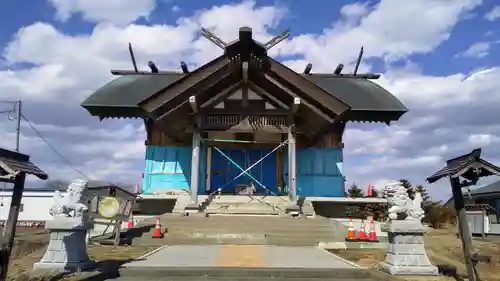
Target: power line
53, 148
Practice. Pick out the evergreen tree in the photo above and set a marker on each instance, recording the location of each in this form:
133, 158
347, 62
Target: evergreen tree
421, 189
354, 191
409, 188
427, 203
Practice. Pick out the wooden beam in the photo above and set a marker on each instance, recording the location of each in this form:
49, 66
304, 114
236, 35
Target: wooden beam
358, 76
266, 96
306, 103
300, 84
221, 96
132, 72
295, 106
194, 105
244, 95
196, 81
168, 130
210, 87
165, 114
317, 136
268, 112
244, 68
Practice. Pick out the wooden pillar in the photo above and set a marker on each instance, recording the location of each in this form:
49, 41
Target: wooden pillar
10, 226
292, 166
463, 226
195, 168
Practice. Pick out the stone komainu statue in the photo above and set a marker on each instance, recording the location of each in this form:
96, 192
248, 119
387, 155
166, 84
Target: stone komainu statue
73, 203
400, 204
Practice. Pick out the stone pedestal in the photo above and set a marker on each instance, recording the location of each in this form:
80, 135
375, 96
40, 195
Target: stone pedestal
406, 253
67, 249
292, 209
191, 208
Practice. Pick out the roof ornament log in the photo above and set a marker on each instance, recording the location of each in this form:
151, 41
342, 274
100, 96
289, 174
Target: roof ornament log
184, 67
339, 69
337, 72
153, 67
216, 40
308, 68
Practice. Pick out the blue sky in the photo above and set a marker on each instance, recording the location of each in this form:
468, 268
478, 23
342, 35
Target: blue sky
439, 57
304, 18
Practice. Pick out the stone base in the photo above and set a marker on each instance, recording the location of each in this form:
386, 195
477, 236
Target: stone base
406, 253
293, 210
63, 267
409, 270
67, 249
194, 210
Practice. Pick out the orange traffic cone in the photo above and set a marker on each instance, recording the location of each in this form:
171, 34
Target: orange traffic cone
372, 237
157, 232
362, 231
130, 222
350, 232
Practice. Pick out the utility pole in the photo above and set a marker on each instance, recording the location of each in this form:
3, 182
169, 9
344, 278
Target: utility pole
18, 127
17, 108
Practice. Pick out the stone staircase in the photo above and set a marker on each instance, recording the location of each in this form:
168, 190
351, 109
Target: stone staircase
243, 205
244, 230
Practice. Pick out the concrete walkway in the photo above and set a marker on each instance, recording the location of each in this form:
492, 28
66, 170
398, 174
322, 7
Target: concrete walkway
240, 256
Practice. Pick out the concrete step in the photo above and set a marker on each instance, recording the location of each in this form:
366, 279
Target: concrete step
235, 219
237, 240
243, 230
218, 273
162, 278
275, 232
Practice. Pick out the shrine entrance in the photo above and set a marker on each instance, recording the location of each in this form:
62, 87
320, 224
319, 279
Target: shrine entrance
244, 170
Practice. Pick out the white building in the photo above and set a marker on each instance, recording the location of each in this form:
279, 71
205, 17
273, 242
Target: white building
35, 205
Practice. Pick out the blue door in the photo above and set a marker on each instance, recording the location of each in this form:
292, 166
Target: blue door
223, 171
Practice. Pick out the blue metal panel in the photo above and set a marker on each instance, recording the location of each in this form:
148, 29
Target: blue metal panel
269, 169
169, 168
319, 172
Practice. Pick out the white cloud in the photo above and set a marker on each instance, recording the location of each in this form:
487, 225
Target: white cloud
493, 14
176, 9
354, 10
449, 114
383, 32
477, 50
113, 11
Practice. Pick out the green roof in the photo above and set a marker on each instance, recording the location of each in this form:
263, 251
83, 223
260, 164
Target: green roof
120, 97
359, 94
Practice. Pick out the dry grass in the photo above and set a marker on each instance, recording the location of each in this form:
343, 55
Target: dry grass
442, 247
30, 247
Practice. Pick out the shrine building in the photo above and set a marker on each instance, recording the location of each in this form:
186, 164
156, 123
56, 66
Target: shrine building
244, 119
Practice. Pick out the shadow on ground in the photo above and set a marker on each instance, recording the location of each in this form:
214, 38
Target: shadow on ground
126, 237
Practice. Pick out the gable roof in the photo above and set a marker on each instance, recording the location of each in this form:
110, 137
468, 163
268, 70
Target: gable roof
156, 95
368, 100
12, 162
469, 166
